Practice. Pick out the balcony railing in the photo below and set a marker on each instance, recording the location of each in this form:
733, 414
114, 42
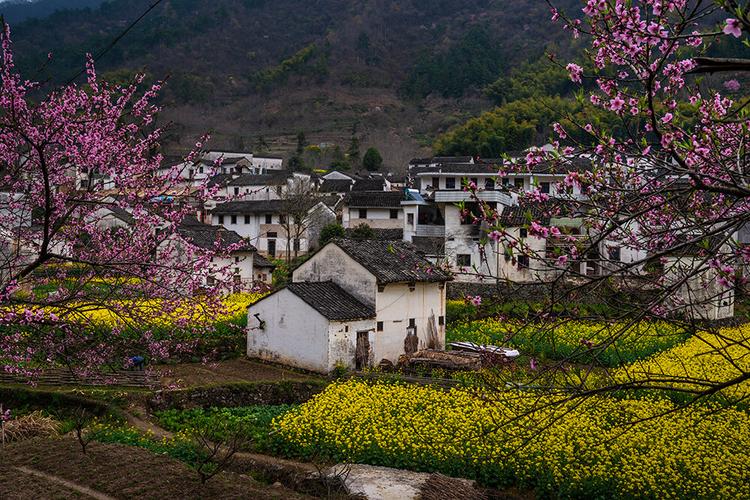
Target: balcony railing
430, 230
488, 196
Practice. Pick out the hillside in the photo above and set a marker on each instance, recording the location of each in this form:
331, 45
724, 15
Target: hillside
401, 72
15, 11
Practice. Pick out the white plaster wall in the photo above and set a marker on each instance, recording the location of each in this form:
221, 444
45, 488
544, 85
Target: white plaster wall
482, 269
343, 342
376, 217
336, 176
537, 270
268, 163
701, 297
244, 266
395, 305
410, 230
333, 264
253, 193
295, 334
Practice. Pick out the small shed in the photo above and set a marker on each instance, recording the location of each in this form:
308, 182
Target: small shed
311, 325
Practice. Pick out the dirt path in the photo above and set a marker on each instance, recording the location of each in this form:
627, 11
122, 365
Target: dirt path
64, 482
256, 459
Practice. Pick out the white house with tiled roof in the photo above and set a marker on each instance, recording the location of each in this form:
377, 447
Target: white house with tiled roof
403, 293
377, 209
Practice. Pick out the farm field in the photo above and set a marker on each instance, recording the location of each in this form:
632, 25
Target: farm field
114, 471
619, 445
623, 444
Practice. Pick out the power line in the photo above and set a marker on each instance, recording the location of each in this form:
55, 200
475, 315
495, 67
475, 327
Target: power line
119, 37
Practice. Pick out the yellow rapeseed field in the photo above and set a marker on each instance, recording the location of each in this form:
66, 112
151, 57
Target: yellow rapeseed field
581, 449
610, 344
715, 357
233, 306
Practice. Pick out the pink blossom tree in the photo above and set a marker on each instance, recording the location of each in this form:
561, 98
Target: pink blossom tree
660, 206
77, 289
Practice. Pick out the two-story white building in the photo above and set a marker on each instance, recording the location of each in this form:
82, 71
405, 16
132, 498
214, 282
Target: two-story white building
271, 226
352, 304
377, 209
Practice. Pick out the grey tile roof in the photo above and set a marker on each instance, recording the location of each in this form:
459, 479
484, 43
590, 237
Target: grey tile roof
492, 166
336, 186
456, 168
369, 185
392, 261
206, 236
374, 199
441, 159
275, 179
248, 207
122, 214
429, 245
381, 234
518, 216
260, 261
331, 301
220, 180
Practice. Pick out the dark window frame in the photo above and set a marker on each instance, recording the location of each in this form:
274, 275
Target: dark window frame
462, 257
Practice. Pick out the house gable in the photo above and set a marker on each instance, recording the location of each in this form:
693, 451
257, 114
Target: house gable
284, 329
331, 263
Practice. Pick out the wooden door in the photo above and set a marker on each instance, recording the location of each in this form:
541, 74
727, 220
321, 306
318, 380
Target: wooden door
362, 353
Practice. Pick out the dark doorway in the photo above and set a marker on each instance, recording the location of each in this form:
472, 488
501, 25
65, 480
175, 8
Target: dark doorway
362, 353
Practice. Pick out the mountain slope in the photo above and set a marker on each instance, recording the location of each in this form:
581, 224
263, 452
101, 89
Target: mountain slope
245, 68
15, 11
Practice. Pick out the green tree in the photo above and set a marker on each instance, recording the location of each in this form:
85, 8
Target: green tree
536, 78
296, 163
330, 232
372, 159
520, 124
353, 153
301, 143
338, 159
474, 60
261, 146
362, 232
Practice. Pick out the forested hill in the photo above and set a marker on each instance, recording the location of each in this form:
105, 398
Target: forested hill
15, 11
393, 73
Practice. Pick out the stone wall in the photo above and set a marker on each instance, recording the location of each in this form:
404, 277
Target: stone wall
540, 292
243, 394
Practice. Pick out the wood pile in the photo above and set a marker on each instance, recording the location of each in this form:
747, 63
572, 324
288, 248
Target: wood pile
28, 426
447, 360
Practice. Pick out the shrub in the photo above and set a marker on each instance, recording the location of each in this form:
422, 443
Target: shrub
256, 419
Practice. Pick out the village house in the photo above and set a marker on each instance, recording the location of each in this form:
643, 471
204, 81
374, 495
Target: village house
337, 186
352, 304
237, 266
269, 186
377, 209
277, 228
232, 163
262, 270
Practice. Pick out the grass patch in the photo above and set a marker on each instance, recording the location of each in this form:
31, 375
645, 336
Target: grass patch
257, 419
